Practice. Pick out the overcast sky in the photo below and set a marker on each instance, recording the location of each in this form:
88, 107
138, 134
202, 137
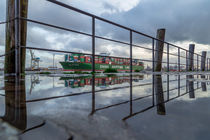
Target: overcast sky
185, 22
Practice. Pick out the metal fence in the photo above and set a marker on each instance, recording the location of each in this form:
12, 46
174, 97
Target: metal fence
158, 97
156, 100
180, 65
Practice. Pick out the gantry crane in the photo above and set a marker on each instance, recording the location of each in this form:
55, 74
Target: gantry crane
34, 61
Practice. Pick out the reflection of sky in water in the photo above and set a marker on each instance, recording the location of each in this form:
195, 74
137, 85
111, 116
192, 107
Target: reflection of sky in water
2, 98
2, 105
183, 120
54, 86
1, 85
45, 89
185, 116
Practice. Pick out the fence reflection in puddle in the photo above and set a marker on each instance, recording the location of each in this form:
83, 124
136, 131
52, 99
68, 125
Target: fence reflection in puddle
16, 102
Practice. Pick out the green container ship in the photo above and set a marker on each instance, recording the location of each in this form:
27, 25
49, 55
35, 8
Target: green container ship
80, 62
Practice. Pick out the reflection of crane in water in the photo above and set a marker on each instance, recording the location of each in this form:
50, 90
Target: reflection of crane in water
34, 81
15, 108
34, 61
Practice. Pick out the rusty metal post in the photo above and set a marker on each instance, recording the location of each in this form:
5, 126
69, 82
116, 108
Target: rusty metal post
168, 87
153, 55
159, 49
203, 84
179, 85
17, 38
191, 57
15, 103
9, 67
131, 52
131, 94
179, 68
190, 84
209, 64
93, 45
187, 65
93, 95
197, 62
159, 95
16, 31
203, 61
168, 69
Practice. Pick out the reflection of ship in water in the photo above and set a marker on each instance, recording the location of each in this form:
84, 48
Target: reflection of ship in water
100, 81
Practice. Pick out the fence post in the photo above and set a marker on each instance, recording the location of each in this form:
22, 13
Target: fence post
15, 36
191, 86
131, 52
179, 59
159, 49
203, 84
191, 57
93, 95
153, 55
153, 90
168, 69
15, 103
131, 94
168, 87
197, 62
203, 61
187, 65
179, 85
93, 45
209, 64
158, 87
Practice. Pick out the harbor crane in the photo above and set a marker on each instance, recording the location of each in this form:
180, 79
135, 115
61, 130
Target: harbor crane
34, 61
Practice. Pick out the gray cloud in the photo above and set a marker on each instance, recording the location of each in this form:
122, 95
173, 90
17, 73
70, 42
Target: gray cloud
177, 17
184, 20
3, 10
53, 14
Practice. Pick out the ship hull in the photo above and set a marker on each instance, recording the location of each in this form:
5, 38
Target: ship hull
75, 66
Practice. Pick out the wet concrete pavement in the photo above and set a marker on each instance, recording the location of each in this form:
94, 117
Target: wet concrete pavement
106, 107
